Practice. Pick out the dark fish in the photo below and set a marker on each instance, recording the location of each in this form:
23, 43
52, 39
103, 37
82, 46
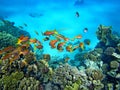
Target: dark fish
87, 41
46, 39
85, 30
25, 25
77, 14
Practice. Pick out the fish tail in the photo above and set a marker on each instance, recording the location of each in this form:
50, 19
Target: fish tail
19, 42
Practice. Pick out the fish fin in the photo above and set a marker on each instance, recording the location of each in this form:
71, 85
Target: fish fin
56, 32
34, 48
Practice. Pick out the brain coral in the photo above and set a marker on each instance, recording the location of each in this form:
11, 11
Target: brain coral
9, 27
7, 40
114, 64
109, 51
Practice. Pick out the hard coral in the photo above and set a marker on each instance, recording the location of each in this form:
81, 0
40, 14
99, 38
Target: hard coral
114, 64
46, 56
65, 75
104, 33
7, 40
109, 51
9, 27
11, 82
97, 75
29, 84
30, 57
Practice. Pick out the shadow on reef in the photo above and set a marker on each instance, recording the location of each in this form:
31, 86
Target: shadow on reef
22, 69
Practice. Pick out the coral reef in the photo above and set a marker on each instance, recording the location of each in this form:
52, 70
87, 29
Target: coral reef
114, 65
29, 84
23, 69
7, 40
9, 27
65, 75
11, 82
109, 51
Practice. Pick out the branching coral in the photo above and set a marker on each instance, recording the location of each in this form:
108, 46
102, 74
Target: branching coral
11, 82
29, 84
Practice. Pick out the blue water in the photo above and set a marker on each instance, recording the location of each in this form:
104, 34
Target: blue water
60, 15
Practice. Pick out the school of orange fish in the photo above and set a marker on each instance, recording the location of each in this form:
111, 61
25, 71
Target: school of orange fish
23, 45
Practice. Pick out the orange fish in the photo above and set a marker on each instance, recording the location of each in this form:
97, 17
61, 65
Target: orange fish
66, 39
15, 57
81, 45
52, 43
1, 51
6, 49
25, 52
22, 39
6, 56
69, 48
48, 33
33, 40
78, 36
26, 46
9, 48
59, 37
40, 46
59, 46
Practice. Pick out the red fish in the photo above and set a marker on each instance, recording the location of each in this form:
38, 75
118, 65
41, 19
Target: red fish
22, 39
52, 43
69, 48
40, 46
81, 45
77, 37
33, 40
9, 48
6, 56
25, 52
48, 33
59, 37
60, 46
